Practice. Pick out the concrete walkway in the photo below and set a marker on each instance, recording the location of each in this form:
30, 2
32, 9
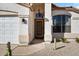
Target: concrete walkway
43, 49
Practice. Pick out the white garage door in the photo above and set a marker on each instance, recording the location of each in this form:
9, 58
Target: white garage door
9, 30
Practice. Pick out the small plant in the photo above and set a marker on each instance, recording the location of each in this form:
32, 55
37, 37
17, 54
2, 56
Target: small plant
64, 40
7, 53
8, 50
57, 40
77, 40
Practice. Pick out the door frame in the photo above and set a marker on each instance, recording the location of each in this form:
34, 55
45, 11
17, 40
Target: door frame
35, 28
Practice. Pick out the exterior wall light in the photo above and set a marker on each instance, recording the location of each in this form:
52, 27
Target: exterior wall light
24, 21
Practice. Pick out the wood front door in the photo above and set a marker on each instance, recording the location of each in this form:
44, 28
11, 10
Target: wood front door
39, 28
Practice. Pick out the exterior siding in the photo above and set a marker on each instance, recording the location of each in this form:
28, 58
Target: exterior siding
48, 23
74, 22
31, 25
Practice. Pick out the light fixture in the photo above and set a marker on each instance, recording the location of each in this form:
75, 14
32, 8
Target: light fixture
24, 21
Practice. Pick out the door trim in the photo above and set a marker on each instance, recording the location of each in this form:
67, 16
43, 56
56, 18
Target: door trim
42, 36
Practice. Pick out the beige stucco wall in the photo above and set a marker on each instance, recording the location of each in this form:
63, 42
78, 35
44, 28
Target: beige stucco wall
31, 25
23, 32
48, 23
14, 7
74, 22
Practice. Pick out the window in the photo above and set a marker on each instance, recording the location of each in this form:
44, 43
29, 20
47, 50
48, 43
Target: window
61, 23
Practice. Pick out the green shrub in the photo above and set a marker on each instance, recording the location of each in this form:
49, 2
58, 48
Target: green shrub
64, 40
77, 40
58, 40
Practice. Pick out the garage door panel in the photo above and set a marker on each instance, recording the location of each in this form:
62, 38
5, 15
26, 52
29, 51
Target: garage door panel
9, 30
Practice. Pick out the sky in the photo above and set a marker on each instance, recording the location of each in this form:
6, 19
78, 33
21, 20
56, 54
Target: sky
67, 4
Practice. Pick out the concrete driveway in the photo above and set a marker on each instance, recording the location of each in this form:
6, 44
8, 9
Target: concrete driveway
43, 49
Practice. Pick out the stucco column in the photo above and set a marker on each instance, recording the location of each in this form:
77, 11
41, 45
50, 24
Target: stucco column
48, 23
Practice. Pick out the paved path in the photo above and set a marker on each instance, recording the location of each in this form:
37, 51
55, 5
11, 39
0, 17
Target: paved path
63, 49
42, 49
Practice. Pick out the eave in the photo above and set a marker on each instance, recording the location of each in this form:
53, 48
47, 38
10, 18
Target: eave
73, 9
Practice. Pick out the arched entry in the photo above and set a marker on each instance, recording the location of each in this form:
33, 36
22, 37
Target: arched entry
38, 9
39, 21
